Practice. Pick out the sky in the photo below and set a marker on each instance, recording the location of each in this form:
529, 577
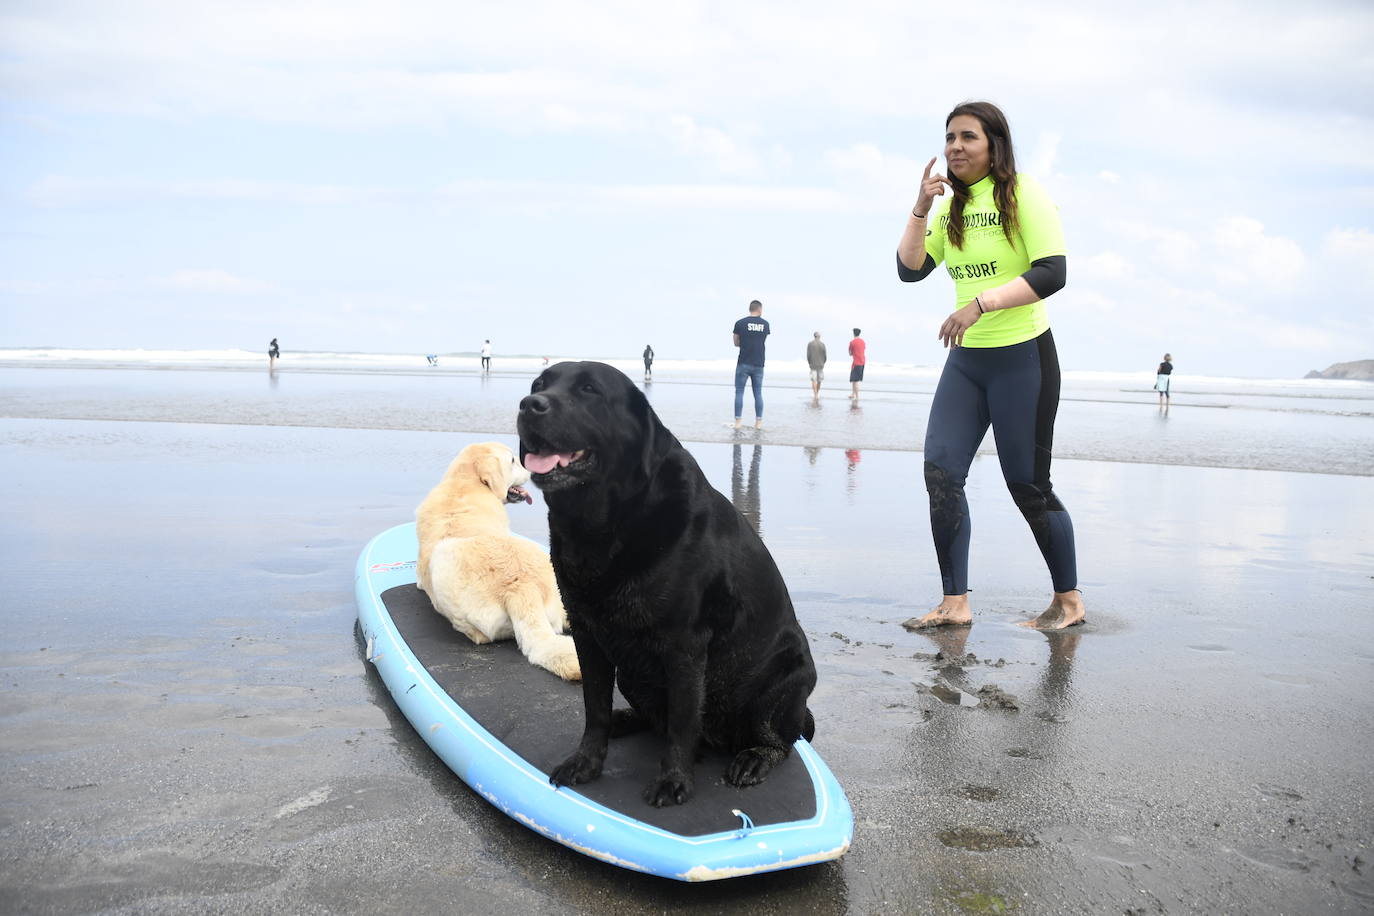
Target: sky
570, 178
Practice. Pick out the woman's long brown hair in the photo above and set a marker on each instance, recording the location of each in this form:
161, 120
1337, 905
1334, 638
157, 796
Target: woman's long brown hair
1001, 166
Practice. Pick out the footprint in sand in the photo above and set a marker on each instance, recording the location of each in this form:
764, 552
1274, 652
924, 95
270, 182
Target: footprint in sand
1292, 680
985, 839
1210, 647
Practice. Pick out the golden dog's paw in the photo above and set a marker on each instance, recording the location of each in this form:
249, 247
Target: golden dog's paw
561, 658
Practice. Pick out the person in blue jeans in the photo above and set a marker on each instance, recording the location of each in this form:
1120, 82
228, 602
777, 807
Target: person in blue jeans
751, 332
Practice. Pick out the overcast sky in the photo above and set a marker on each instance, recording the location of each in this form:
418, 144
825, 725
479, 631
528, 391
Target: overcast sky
569, 178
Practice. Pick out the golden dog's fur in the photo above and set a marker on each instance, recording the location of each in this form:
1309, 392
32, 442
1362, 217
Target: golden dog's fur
489, 584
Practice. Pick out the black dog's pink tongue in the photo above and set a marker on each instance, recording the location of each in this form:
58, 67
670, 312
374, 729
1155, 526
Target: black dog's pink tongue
542, 464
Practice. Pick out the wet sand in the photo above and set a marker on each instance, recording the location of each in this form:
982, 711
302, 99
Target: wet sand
188, 724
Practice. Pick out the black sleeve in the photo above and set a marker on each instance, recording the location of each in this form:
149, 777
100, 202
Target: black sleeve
907, 275
1047, 276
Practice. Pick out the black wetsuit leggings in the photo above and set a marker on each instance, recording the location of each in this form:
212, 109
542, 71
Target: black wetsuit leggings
1015, 390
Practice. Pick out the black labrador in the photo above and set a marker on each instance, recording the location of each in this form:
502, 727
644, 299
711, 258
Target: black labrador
670, 593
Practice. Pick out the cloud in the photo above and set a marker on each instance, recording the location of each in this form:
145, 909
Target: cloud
66, 191
712, 144
1249, 257
1350, 244
868, 163
63, 191
1104, 266
213, 281
771, 109
687, 196
1351, 251
821, 312
1042, 158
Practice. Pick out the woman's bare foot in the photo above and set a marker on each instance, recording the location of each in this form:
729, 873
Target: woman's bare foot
952, 612
1065, 610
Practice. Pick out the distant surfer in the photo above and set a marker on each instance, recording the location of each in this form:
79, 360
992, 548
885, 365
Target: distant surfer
648, 362
273, 351
815, 361
486, 356
433, 359
1162, 374
1001, 240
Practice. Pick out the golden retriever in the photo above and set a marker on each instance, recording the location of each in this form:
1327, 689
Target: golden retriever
488, 583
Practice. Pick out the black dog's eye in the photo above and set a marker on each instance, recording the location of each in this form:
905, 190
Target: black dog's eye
589, 388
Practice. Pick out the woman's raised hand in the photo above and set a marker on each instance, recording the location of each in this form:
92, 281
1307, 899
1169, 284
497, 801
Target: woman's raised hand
932, 186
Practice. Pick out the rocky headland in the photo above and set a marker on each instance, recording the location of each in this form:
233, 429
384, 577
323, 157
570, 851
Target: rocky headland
1360, 370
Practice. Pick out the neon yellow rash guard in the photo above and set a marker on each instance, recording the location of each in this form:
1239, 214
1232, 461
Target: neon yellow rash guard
987, 260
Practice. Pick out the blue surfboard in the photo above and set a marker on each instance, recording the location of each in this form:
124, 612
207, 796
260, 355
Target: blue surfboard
501, 724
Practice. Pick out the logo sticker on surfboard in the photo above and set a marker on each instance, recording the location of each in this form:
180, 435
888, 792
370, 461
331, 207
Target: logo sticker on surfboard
378, 568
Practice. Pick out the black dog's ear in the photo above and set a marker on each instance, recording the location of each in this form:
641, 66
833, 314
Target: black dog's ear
657, 439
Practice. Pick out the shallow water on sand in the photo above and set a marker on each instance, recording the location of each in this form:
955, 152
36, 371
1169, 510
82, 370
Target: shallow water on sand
189, 724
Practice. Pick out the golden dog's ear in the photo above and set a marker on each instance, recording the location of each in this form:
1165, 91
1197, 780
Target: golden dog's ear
491, 470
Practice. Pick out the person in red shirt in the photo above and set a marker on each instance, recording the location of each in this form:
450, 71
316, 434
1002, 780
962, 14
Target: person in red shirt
856, 371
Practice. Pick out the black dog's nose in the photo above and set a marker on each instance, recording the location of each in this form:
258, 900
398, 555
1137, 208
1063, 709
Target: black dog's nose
534, 403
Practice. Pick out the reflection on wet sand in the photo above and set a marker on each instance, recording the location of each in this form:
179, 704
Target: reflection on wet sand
1056, 678
940, 745
744, 495
852, 457
951, 684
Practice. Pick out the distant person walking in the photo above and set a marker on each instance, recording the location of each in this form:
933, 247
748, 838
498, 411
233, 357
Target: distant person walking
1162, 374
751, 333
858, 351
1001, 241
648, 362
273, 351
486, 356
815, 358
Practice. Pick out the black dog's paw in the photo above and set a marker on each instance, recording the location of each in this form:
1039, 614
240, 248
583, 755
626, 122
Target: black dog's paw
627, 722
752, 765
577, 769
669, 789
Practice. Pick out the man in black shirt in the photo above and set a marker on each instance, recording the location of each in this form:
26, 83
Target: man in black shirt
751, 333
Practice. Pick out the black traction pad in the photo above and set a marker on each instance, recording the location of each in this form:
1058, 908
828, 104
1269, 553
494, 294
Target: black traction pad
539, 716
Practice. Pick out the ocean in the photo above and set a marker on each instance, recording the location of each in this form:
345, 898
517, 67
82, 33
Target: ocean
1321, 426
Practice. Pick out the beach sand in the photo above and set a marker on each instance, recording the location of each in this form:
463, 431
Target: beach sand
188, 724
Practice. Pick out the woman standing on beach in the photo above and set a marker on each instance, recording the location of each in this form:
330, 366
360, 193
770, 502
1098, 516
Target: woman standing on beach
1001, 241
1166, 369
